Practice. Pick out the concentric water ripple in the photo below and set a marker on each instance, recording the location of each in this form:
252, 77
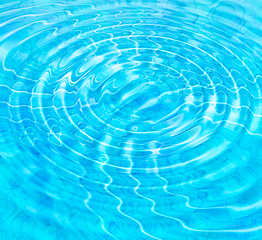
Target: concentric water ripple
130, 119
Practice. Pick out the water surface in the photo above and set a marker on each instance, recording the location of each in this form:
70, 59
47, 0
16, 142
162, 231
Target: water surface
130, 120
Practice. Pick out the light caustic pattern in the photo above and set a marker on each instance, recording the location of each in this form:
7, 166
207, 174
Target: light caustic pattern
130, 120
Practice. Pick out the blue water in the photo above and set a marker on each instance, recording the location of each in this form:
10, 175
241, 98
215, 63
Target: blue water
130, 119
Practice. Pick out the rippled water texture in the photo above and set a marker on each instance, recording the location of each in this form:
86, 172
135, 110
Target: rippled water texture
130, 119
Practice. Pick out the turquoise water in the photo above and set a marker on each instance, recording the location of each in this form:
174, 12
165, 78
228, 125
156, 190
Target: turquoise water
130, 119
